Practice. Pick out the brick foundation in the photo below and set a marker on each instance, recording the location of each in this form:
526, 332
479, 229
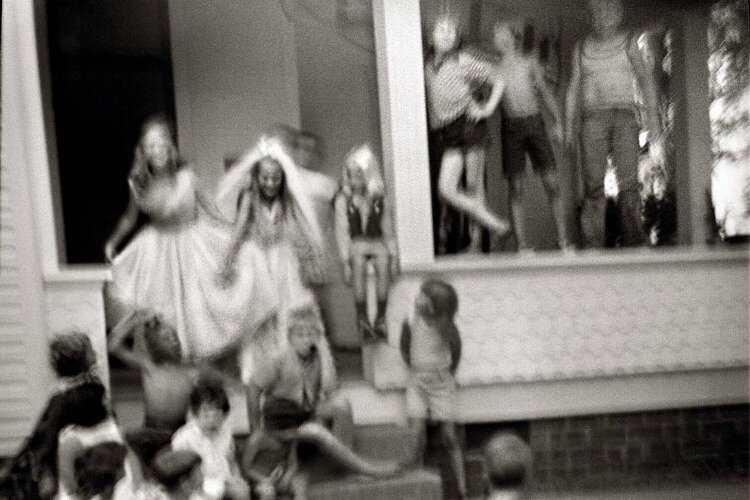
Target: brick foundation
634, 448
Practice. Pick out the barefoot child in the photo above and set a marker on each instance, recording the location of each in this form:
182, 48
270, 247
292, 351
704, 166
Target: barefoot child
431, 348
524, 132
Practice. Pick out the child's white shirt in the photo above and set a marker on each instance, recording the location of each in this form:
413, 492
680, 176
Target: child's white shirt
214, 451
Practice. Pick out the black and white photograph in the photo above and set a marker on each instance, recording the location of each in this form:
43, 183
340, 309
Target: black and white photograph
374, 249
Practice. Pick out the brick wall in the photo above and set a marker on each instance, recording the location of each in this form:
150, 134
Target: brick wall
633, 448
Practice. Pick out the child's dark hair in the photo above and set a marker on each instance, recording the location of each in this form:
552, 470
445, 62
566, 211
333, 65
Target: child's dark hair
172, 466
71, 354
442, 295
99, 468
210, 390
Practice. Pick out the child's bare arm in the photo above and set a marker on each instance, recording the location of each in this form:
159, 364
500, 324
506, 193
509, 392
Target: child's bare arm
549, 98
125, 226
240, 229
121, 332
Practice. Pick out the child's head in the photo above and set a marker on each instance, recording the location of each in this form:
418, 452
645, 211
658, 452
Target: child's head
504, 36
606, 15
445, 34
99, 469
436, 299
161, 340
362, 171
157, 144
71, 354
304, 330
508, 460
268, 176
178, 470
209, 404
282, 417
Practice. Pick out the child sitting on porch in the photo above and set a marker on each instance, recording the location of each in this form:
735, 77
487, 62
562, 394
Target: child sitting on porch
100, 472
507, 458
209, 434
431, 348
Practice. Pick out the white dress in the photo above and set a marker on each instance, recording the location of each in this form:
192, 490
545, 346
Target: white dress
173, 263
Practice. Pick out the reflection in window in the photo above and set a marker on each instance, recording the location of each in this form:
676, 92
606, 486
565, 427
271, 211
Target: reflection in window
730, 120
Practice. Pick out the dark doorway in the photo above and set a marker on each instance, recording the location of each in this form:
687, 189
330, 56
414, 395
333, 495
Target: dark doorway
110, 68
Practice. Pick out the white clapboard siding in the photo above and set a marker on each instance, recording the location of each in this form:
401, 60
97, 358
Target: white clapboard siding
18, 405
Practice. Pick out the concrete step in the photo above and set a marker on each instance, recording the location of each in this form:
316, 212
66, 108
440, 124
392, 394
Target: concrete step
420, 484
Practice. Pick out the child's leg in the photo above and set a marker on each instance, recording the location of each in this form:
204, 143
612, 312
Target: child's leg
359, 281
450, 439
265, 491
516, 207
551, 183
298, 486
451, 169
417, 428
338, 411
475, 188
313, 432
236, 488
382, 263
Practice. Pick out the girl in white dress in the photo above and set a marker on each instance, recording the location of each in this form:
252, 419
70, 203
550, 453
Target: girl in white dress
269, 198
171, 264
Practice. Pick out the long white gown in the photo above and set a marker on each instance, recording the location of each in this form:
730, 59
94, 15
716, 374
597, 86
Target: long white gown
172, 266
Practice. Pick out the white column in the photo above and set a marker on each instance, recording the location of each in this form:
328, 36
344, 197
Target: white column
403, 125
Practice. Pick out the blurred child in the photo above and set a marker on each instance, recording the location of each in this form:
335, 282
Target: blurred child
431, 348
180, 475
32, 473
91, 425
270, 460
208, 434
100, 472
300, 373
507, 459
167, 382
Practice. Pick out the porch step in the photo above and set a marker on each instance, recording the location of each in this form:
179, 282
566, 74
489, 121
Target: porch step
418, 484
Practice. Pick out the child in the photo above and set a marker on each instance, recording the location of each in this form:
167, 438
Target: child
303, 374
277, 233
507, 459
608, 71
270, 460
91, 425
32, 473
431, 348
364, 230
456, 122
167, 382
100, 472
208, 434
524, 132
180, 475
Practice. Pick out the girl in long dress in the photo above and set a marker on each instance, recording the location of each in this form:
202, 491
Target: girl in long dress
269, 199
172, 262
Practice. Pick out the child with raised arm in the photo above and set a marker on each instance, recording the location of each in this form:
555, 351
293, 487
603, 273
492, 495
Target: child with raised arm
167, 381
431, 348
209, 434
524, 132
